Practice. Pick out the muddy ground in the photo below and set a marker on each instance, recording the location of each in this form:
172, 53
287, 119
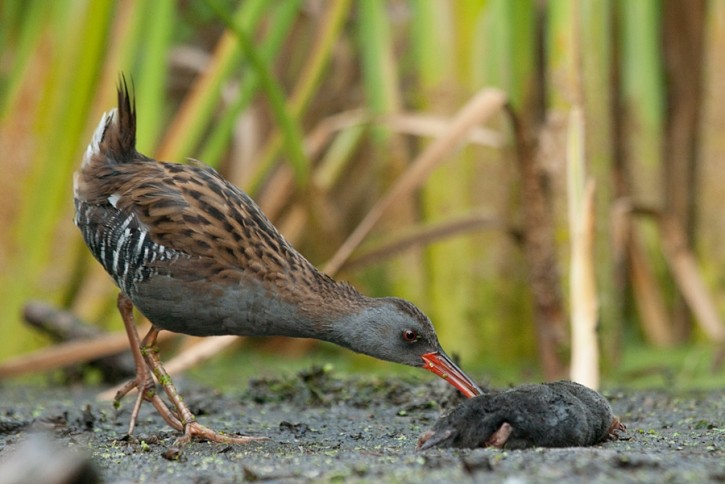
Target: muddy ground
326, 427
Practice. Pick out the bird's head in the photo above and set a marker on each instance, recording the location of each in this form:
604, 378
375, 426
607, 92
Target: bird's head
395, 330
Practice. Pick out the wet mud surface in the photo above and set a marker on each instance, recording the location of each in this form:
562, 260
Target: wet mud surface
325, 427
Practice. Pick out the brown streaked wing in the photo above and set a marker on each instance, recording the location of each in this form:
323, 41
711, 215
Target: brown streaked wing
193, 210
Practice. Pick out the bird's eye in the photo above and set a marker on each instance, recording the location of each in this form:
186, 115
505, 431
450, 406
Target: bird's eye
410, 336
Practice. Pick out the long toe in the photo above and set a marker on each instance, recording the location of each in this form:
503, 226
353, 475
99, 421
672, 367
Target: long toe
195, 429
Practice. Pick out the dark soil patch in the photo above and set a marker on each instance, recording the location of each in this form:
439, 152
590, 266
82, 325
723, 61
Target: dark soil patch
324, 427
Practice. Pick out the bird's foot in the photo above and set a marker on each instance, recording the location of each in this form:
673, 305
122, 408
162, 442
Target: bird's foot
147, 360
615, 429
183, 419
146, 387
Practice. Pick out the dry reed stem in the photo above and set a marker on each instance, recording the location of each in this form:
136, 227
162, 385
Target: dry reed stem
583, 298
277, 192
422, 124
481, 107
421, 236
66, 354
584, 301
651, 306
186, 114
408, 123
683, 266
684, 269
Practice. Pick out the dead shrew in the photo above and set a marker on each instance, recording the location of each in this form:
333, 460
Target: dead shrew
558, 414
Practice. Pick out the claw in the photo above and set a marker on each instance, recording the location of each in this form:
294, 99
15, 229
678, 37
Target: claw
195, 429
615, 429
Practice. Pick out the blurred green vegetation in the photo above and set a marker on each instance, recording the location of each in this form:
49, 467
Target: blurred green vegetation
296, 103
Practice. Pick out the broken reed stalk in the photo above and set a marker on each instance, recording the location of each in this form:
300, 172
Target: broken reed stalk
683, 265
648, 298
63, 326
69, 353
583, 299
64, 354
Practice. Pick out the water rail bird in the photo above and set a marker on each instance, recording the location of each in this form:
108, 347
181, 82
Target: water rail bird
196, 255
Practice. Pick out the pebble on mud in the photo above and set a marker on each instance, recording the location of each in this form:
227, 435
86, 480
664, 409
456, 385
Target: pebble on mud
558, 414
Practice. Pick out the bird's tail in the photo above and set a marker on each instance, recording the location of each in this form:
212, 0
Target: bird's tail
114, 140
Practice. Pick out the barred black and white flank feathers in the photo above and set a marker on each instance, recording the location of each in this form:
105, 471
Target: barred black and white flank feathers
116, 237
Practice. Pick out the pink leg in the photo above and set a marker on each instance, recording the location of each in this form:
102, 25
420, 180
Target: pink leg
143, 381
